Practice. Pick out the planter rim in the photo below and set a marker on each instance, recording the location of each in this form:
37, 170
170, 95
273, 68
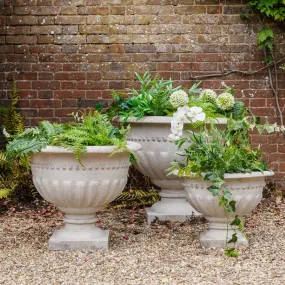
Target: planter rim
243, 175
249, 175
159, 120
91, 149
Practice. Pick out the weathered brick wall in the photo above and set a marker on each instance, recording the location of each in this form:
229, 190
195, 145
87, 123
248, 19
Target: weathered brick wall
68, 54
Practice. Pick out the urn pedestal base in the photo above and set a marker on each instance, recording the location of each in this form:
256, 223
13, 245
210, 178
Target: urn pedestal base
79, 233
173, 206
217, 235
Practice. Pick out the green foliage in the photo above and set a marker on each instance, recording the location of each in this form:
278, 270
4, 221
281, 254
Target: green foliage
135, 199
231, 252
12, 119
212, 153
265, 38
151, 100
32, 140
274, 9
93, 129
14, 173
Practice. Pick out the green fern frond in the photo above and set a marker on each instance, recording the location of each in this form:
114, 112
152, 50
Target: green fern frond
135, 199
25, 146
5, 192
12, 120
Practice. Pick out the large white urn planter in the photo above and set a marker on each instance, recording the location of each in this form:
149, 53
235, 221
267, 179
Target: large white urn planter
154, 159
80, 191
246, 189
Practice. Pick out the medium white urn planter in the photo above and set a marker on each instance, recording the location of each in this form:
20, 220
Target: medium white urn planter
246, 189
80, 191
154, 159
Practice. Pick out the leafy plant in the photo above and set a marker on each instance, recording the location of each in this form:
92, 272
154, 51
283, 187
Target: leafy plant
14, 173
211, 153
151, 100
274, 9
12, 120
158, 97
32, 139
92, 129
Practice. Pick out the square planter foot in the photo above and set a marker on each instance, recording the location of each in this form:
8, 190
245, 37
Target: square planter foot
56, 242
217, 239
151, 215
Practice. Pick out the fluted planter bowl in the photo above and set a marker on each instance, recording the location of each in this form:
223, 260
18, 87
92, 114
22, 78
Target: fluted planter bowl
80, 191
154, 159
246, 189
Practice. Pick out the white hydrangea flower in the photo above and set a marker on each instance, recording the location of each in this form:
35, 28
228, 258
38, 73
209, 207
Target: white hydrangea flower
196, 114
179, 98
208, 95
225, 101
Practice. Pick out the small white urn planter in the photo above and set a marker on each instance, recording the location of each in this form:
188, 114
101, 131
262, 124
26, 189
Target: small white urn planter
154, 159
80, 191
246, 189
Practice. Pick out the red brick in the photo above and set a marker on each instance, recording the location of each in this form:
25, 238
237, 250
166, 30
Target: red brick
69, 103
45, 39
22, 57
45, 76
94, 76
21, 39
22, 20
46, 85
64, 112
45, 94
69, 94
24, 103
70, 20
45, 113
70, 76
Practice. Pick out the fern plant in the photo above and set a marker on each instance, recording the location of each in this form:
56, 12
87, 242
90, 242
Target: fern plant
93, 129
13, 172
135, 199
12, 120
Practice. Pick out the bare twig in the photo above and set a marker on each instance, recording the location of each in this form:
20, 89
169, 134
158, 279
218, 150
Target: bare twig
237, 71
275, 88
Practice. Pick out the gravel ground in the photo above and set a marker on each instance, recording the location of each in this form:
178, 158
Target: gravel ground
163, 253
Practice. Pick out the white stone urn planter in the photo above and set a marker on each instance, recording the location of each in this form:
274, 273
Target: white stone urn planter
80, 191
246, 189
154, 159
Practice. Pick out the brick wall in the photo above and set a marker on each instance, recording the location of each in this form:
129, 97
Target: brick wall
69, 54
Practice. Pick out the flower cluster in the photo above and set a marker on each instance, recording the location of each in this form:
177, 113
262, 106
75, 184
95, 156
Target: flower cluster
208, 95
184, 115
179, 98
225, 101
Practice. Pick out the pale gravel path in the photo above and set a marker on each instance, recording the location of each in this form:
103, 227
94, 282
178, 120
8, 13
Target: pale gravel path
141, 254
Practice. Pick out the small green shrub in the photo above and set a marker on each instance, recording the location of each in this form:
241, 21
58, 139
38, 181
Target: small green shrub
14, 173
